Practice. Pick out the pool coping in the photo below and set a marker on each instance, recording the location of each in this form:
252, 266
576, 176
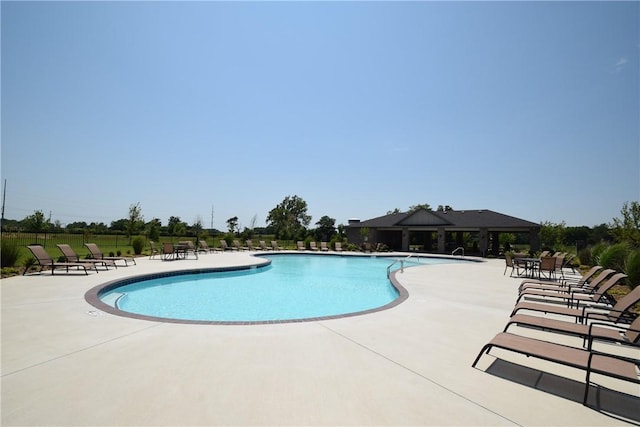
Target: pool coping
92, 296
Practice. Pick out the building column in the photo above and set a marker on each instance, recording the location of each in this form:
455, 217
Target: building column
405, 239
534, 240
483, 242
442, 240
495, 243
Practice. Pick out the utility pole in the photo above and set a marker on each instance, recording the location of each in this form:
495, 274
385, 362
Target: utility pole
211, 219
4, 194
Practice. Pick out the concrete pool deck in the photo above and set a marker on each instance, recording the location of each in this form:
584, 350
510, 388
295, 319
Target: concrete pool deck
66, 363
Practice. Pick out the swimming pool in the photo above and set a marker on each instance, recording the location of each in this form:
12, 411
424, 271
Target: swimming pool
292, 287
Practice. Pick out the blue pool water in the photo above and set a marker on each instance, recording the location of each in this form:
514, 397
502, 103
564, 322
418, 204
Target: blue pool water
292, 287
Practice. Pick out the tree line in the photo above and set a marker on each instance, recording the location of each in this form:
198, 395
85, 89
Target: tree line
289, 220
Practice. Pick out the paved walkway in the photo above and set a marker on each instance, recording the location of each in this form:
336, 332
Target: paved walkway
65, 363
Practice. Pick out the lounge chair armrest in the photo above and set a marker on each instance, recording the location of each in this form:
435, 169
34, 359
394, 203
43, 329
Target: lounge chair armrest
578, 289
615, 355
622, 327
587, 315
602, 307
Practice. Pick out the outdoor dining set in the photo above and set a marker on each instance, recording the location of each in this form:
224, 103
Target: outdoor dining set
547, 266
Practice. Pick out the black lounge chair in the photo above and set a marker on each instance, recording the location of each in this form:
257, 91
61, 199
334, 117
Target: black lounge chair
96, 253
71, 256
263, 246
588, 277
596, 292
274, 246
597, 312
45, 260
601, 330
590, 360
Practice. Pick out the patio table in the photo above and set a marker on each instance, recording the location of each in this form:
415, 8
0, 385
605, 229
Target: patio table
530, 266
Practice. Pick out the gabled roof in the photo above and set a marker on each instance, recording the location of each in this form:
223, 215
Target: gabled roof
453, 219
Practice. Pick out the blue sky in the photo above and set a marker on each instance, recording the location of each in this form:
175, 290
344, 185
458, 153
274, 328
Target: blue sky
529, 109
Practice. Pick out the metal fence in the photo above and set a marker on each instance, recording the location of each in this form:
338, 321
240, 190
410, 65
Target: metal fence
50, 239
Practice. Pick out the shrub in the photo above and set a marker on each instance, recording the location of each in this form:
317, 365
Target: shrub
138, 244
596, 251
614, 256
632, 268
585, 256
10, 253
29, 262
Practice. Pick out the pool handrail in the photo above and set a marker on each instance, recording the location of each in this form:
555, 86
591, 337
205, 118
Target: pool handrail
401, 261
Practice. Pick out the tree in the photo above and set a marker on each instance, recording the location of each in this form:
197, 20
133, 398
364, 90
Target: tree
135, 220
552, 235
395, 211
252, 223
326, 228
578, 236
176, 227
445, 208
601, 233
36, 222
232, 225
425, 206
173, 220
506, 240
289, 219
153, 229
627, 228
119, 225
77, 226
98, 227
197, 227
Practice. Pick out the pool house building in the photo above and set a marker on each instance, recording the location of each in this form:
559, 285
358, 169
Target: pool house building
477, 232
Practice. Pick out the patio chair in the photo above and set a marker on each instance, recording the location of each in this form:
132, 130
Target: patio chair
250, 245
168, 251
323, 246
71, 256
44, 260
188, 247
548, 265
301, 245
338, 246
544, 284
617, 313
590, 360
274, 246
312, 246
204, 247
154, 249
593, 295
96, 253
223, 246
602, 331
510, 264
568, 263
560, 265
564, 288
237, 247
263, 246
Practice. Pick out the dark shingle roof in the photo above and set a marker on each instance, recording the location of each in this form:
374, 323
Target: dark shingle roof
453, 219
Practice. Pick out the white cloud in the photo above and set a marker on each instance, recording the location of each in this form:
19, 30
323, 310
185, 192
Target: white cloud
620, 64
